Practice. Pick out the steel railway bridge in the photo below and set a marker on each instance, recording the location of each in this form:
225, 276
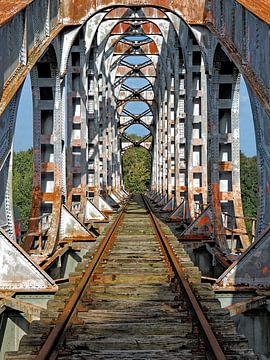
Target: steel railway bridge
178, 64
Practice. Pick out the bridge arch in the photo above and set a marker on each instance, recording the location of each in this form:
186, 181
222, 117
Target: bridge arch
184, 65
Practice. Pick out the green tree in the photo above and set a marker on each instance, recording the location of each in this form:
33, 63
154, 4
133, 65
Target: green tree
133, 137
22, 183
249, 187
249, 184
137, 169
136, 137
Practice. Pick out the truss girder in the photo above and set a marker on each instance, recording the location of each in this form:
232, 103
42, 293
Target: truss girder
194, 54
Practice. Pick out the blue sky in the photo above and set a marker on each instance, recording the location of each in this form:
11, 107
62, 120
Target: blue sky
247, 135
24, 129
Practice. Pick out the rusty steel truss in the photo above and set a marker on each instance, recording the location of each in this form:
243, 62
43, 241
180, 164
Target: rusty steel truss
187, 57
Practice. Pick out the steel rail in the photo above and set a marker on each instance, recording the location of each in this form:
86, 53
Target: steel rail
49, 349
209, 335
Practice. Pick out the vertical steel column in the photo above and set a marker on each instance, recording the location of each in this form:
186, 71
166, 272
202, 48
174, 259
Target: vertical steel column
262, 134
160, 141
224, 151
77, 125
155, 149
164, 137
168, 129
176, 165
196, 129
48, 150
93, 125
7, 128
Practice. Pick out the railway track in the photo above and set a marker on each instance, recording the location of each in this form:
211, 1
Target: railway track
138, 296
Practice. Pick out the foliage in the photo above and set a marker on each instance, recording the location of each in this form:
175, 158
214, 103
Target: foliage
249, 186
136, 137
136, 168
22, 183
133, 137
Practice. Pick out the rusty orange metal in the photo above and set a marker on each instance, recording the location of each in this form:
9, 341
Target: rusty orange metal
16, 80
120, 29
219, 229
75, 12
146, 49
150, 28
225, 166
243, 306
148, 70
8, 9
260, 8
147, 27
153, 12
117, 13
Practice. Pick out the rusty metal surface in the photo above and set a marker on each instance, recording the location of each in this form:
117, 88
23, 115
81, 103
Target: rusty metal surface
251, 269
260, 8
243, 306
19, 75
10, 8
19, 271
247, 53
57, 254
75, 12
246, 69
24, 307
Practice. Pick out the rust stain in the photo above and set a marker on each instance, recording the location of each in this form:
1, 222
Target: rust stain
260, 8
243, 306
225, 166
18, 76
120, 28
117, 13
45, 167
8, 9
192, 11
150, 12
220, 233
151, 28
33, 223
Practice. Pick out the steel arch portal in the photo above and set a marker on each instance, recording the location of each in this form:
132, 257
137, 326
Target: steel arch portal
181, 63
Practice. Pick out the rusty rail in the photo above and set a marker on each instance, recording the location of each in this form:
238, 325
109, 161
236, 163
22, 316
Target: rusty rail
212, 342
49, 349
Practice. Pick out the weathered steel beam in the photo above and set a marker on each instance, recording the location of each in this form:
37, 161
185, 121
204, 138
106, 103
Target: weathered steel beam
192, 11
248, 305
